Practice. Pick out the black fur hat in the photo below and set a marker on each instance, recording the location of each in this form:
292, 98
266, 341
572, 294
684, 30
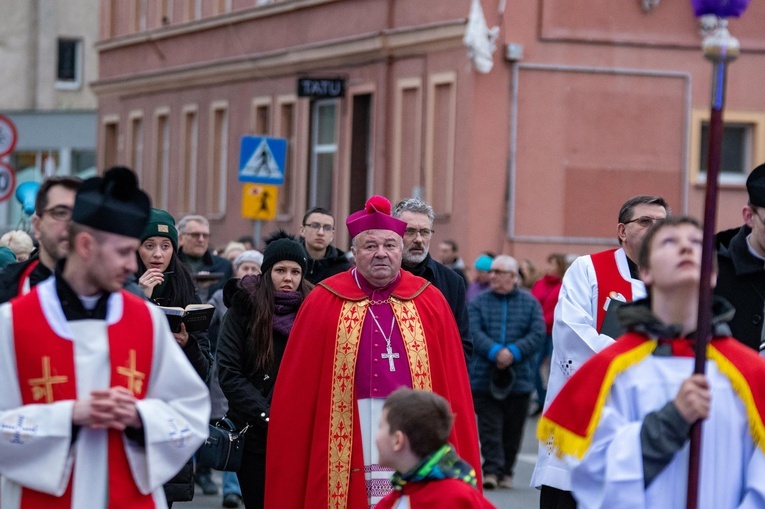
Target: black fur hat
280, 245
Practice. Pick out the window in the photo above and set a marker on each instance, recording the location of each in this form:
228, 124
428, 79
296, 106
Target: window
110, 138
187, 183
743, 145
68, 69
158, 184
218, 152
323, 153
136, 143
286, 129
261, 116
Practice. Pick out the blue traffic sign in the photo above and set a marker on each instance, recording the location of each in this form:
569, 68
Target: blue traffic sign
261, 160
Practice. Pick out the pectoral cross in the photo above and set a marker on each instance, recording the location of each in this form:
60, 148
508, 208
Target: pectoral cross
390, 356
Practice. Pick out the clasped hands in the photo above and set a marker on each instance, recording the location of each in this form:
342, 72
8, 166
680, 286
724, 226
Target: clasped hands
109, 408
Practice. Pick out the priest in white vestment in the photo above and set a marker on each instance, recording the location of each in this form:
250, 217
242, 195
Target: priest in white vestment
98, 405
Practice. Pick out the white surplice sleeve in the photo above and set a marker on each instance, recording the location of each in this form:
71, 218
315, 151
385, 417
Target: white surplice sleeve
611, 473
175, 413
33, 438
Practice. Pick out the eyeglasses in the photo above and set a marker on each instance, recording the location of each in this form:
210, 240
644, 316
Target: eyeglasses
198, 235
643, 221
424, 233
59, 212
500, 272
316, 227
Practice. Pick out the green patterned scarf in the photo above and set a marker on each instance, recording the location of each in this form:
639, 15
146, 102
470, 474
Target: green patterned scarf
442, 464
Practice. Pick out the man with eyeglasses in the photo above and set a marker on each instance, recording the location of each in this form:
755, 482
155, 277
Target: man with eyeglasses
741, 259
210, 271
99, 407
416, 259
590, 287
360, 335
53, 213
316, 234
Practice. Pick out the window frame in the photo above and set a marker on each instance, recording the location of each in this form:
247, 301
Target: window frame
76, 83
756, 150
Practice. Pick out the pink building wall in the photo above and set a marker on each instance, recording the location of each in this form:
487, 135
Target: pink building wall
534, 157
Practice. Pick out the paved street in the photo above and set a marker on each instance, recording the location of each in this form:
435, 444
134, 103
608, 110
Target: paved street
520, 497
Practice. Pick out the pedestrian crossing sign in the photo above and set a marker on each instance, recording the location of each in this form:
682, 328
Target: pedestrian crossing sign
261, 160
259, 201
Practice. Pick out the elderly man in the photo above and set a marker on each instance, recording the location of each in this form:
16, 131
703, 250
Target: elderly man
508, 330
53, 212
741, 261
210, 271
316, 234
359, 335
416, 259
98, 405
590, 287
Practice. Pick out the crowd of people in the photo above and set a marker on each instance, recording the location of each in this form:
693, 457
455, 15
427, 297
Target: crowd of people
364, 377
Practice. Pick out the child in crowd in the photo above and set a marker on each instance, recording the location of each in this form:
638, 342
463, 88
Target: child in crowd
412, 439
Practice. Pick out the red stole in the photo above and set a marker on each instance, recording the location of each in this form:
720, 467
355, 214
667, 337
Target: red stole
25, 277
46, 369
572, 425
610, 282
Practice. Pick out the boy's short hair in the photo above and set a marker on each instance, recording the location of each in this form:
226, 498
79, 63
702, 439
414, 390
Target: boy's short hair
424, 417
645, 247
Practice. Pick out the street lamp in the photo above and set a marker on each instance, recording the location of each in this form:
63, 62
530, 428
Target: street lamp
720, 48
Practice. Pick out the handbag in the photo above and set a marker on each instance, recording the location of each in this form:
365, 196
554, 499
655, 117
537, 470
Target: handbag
224, 447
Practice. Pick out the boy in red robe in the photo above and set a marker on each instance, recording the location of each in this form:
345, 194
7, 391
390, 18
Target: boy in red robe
413, 440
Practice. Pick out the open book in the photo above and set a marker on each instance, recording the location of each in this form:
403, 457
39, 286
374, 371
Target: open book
197, 317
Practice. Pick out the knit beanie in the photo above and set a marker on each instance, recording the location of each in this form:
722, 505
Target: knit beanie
7, 256
483, 263
283, 246
161, 224
251, 256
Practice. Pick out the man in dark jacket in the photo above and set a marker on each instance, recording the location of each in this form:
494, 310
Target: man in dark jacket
741, 259
210, 272
417, 260
53, 213
316, 234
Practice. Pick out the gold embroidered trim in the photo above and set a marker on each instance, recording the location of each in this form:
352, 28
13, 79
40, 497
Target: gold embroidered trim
341, 410
410, 325
343, 378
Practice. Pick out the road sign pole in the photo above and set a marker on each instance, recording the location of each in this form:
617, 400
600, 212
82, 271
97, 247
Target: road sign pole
256, 235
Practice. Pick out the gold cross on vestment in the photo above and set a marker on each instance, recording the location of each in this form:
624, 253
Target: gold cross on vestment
135, 378
43, 386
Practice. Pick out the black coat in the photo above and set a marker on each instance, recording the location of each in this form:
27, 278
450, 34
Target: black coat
453, 288
11, 275
334, 262
248, 392
210, 263
741, 281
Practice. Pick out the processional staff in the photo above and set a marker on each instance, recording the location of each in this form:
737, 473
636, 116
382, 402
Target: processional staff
721, 48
